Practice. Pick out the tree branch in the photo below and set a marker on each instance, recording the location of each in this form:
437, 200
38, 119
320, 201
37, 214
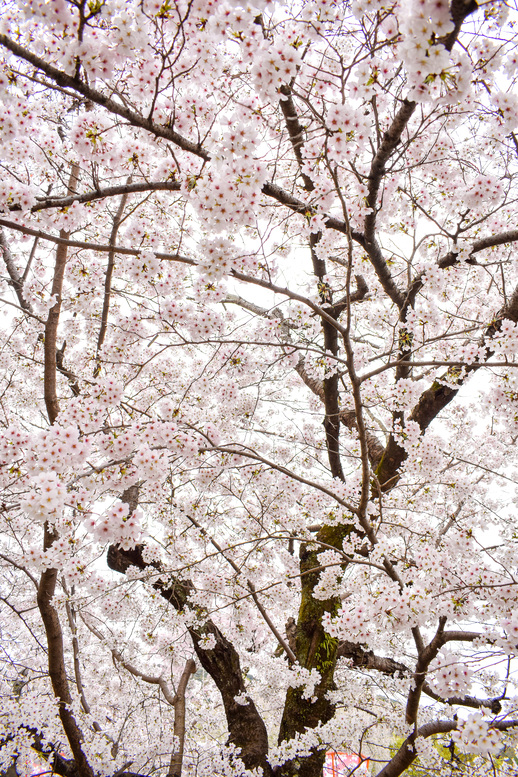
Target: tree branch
361, 658
118, 657
459, 10
175, 767
108, 279
57, 669
77, 666
407, 753
424, 659
436, 398
72, 82
295, 130
451, 258
101, 194
51, 327
391, 140
91, 246
48, 579
14, 276
280, 639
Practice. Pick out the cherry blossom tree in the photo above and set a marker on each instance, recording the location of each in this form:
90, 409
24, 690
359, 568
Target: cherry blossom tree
259, 399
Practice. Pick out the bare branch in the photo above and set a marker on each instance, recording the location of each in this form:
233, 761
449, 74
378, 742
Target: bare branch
51, 327
175, 766
15, 278
423, 662
77, 666
90, 246
119, 658
108, 278
100, 194
391, 140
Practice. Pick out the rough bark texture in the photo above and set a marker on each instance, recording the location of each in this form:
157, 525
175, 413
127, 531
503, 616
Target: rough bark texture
314, 650
330, 388
48, 579
51, 326
57, 670
175, 767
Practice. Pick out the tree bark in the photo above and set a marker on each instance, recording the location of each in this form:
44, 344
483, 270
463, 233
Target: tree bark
48, 579
175, 767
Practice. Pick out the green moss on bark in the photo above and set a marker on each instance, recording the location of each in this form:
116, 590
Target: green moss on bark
315, 649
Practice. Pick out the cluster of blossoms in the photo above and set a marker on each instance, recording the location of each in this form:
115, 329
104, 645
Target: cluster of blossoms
406, 393
349, 132
229, 195
146, 442
90, 134
297, 747
510, 626
361, 7
475, 735
351, 623
507, 108
331, 575
12, 442
470, 353
96, 57
420, 22
433, 71
60, 449
15, 118
451, 675
208, 323
218, 257
58, 556
274, 66
483, 189
117, 525
146, 265
46, 498
109, 390
507, 338
17, 194
403, 608
208, 642
177, 311
239, 136
59, 12
300, 677
507, 398
151, 465
423, 451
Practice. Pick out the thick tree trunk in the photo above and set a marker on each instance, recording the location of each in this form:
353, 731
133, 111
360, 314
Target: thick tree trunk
314, 650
